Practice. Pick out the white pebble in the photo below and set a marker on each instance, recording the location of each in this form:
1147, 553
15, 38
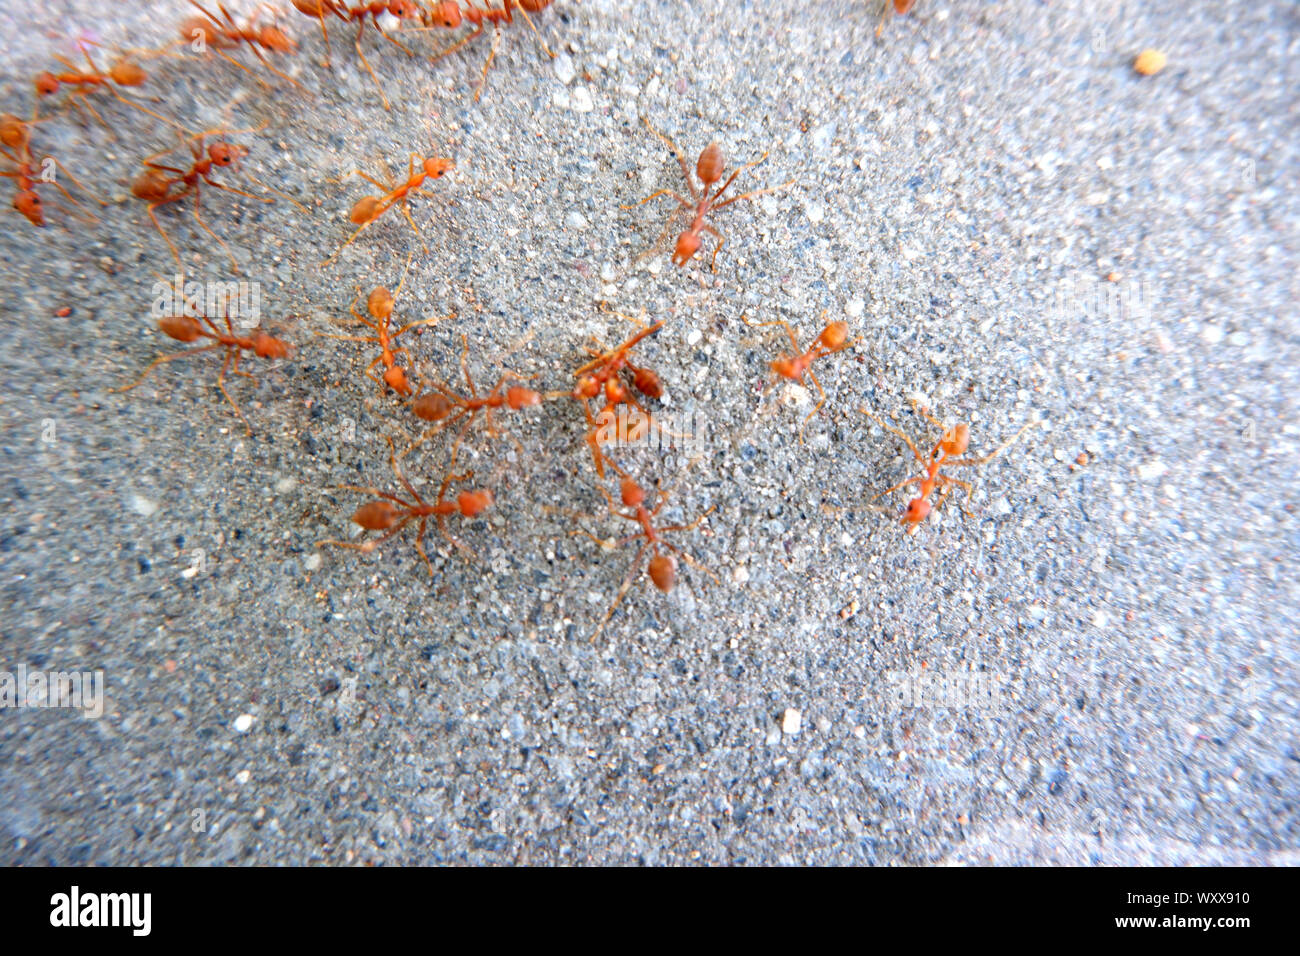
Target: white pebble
1152, 470
564, 68
607, 272
243, 723
575, 220
1213, 334
582, 101
740, 575
145, 507
313, 561
816, 212
286, 484
791, 721
823, 725
694, 337
243, 777
854, 308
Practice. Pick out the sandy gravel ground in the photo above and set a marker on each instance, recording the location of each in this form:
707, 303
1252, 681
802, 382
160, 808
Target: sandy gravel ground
1097, 665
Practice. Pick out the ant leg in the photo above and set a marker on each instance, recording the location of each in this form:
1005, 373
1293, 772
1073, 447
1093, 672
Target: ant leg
419, 544
166, 358
623, 589
221, 384
360, 230
537, 32
407, 213
393, 40
655, 195
162, 232
818, 407
365, 547
457, 45
993, 454
689, 560
713, 263
397, 470
948, 484
238, 192
198, 218
366, 176
681, 161
361, 25
492, 55
80, 185
693, 525
432, 320
901, 434
751, 195
901, 484
732, 178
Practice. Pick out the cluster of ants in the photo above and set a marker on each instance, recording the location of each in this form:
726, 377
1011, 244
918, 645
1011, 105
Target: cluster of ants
608, 383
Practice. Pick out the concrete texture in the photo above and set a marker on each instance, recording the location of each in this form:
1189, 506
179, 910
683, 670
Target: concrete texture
1124, 589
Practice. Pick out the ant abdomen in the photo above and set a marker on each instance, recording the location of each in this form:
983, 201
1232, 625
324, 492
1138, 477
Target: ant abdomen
710, 164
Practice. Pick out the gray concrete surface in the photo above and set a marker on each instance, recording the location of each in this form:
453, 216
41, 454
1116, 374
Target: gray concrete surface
1131, 612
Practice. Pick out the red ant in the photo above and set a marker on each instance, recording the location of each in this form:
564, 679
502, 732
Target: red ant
186, 328
374, 9
15, 146
448, 14
369, 208
445, 407
709, 168
154, 186
833, 338
900, 7
954, 441
601, 374
124, 72
662, 568
380, 304
224, 33
391, 514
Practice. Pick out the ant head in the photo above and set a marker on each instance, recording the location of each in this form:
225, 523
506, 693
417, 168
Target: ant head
151, 185
433, 407
274, 38
396, 379
587, 387
127, 73
183, 328
647, 383
633, 495
445, 14
226, 154
918, 509
46, 83
364, 210
955, 440
688, 243
268, 346
376, 515
29, 204
663, 572
834, 335
472, 503
710, 164
517, 397
380, 302
13, 132
404, 9
435, 166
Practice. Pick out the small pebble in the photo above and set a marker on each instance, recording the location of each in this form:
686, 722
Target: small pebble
791, 721
243, 723
144, 507
1150, 62
313, 561
582, 101
564, 68
243, 777
693, 338
816, 213
575, 220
